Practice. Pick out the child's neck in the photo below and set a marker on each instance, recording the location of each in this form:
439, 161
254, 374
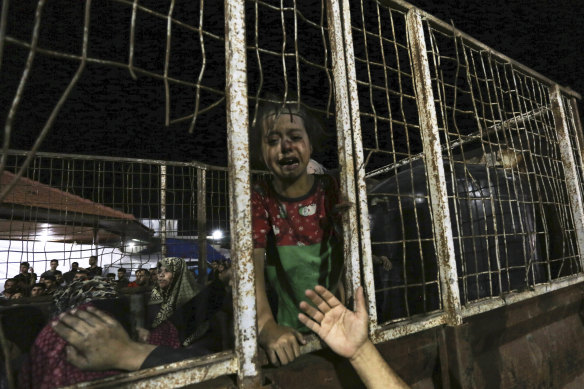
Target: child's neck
293, 189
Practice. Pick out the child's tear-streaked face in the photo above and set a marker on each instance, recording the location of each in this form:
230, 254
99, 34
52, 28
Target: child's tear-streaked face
286, 147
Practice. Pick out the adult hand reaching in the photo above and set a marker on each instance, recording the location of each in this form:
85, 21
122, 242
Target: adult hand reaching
344, 331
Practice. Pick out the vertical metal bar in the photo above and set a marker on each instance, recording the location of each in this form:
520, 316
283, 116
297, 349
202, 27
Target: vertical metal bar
360, 163
570, 171
345, 147
577, 124
245, 320
202, 222
163, 209
443, 239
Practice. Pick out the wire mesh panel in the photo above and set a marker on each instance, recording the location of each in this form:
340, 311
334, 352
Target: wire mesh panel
513, 220
289, 60
69, 208
404, 264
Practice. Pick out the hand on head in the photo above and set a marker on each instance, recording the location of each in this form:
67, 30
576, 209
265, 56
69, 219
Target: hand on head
344, 331
96, 341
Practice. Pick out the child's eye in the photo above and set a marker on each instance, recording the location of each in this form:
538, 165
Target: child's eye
272, 141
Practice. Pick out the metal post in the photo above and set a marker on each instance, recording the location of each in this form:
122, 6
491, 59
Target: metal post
443, 239
202, 223
244, 300
345, 148
369, 284
570, 171
163, 210
577, 124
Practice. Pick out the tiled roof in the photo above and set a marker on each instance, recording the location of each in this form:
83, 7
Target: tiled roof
31, 193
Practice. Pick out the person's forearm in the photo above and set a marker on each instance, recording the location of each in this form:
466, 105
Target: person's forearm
133, 357
263, 306
373, 369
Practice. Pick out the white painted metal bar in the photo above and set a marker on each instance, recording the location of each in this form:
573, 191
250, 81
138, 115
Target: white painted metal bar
244, 300
443, 240
345, 147
173, 375
570, 170
163, 249
491, 303
363, 209
202, 222
398, 330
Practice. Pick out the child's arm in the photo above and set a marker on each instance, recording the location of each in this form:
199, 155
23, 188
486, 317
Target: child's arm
280, 342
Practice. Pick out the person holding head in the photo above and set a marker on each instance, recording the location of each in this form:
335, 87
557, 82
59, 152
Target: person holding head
345, 332
295, 219
94, 270
53, 270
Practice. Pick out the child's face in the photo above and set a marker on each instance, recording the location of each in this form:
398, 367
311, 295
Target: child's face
286, 147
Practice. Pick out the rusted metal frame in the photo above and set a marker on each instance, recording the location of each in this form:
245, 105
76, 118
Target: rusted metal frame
394, 331
345, 148
362, 207
244, 300
489, 304
116, 159
202, 222
570, 170
435, 169
172, 375
439, 74
163, 249
577, 124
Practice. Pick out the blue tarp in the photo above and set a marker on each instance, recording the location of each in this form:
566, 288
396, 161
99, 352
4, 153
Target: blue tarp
189, 248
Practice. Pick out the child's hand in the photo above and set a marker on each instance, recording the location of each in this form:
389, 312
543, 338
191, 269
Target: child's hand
280, 342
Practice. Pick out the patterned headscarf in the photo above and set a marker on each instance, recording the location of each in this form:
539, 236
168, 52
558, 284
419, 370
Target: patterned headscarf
80, 292
181, 290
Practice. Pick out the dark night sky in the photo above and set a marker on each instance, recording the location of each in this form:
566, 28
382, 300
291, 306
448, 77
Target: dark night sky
545, 35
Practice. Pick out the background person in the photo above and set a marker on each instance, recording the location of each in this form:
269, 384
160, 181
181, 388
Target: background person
52, 271
68, 276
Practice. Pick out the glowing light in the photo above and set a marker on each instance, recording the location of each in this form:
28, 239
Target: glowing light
217, 235
44, 236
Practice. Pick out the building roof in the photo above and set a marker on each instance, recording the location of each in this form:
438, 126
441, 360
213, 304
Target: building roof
32, 208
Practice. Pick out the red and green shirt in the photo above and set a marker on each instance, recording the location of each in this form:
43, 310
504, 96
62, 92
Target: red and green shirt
302, 248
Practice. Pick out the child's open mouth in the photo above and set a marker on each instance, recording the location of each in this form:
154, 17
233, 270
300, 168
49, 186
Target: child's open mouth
289, 163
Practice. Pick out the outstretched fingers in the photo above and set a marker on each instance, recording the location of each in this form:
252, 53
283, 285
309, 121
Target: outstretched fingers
312, 312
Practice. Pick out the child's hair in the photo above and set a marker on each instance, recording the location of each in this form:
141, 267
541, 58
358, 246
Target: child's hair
271, 105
